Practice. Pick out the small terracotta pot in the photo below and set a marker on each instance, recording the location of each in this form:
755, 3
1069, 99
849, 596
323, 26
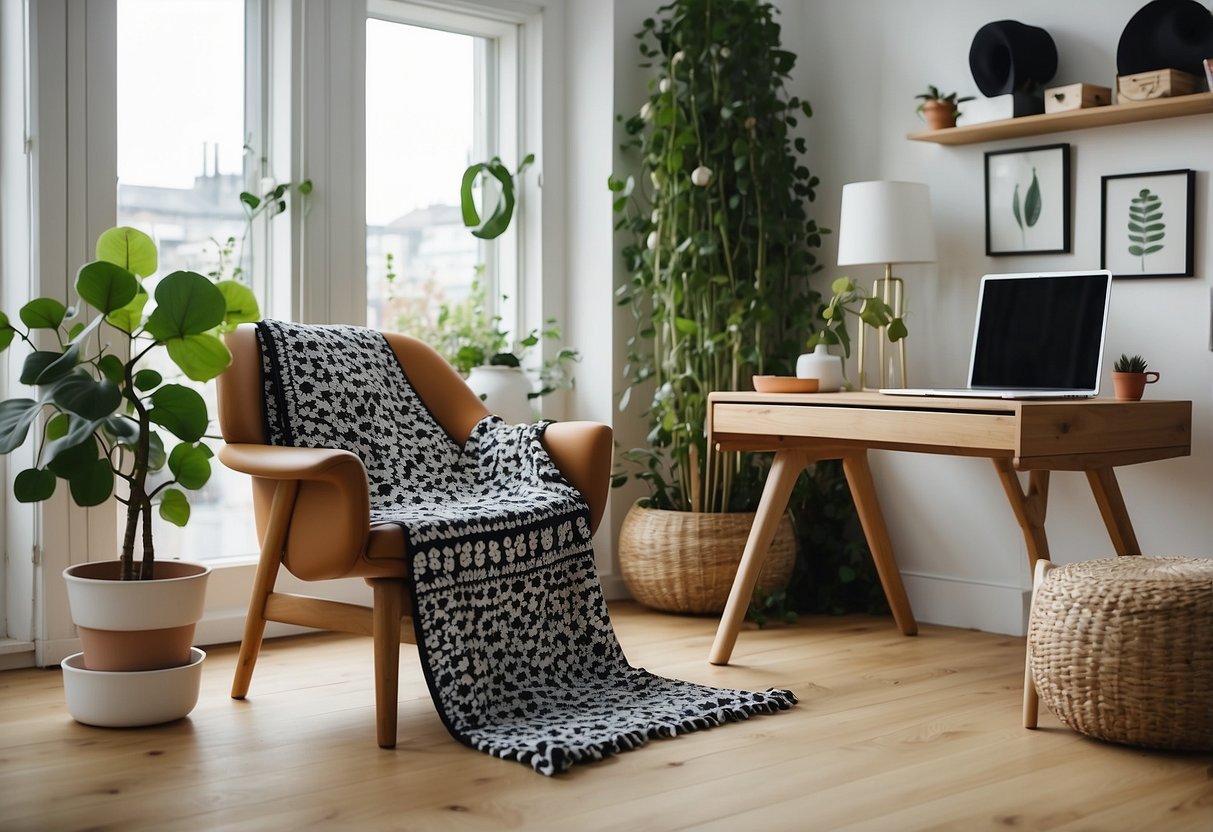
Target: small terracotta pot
939, 114
1129, 387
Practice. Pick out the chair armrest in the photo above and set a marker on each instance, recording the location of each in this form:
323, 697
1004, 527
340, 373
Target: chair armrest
279, 463
582, 452
330, 519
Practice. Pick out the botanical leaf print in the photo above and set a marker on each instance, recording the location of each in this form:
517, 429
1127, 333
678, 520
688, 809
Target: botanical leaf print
1146, 228
1031, 202
1015, 208
1028, 217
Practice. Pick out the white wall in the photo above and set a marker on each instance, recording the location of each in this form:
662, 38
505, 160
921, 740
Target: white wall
860, 65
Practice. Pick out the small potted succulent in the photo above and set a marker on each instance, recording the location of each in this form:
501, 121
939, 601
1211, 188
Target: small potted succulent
99, 418
940, 109
1130, 377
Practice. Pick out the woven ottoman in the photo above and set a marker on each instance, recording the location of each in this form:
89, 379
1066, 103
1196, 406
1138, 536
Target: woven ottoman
1122, 650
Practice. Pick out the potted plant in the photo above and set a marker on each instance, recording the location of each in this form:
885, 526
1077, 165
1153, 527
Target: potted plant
1130, 377
99, 418
939, 109
719, 251
475, 344
472, 340
847, 297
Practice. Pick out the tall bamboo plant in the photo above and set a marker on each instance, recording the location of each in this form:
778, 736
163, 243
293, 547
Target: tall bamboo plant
720, 246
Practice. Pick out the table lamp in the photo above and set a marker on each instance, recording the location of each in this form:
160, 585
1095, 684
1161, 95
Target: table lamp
885, 223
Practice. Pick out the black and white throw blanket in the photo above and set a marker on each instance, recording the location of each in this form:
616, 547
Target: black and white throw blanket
511, 624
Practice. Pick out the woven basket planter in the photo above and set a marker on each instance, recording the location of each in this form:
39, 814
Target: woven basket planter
685, 561
1122, 649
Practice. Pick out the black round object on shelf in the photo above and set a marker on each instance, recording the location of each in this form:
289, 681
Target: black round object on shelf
1166, 34
1009, 56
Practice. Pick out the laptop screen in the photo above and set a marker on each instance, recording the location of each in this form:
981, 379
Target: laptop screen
1040, 331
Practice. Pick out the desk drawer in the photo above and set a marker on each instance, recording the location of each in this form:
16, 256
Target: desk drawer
927, 431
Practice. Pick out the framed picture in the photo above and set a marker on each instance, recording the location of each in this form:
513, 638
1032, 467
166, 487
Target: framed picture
1149, 224
1028, 200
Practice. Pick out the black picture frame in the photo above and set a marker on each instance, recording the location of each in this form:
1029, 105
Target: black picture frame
1028, 200
1137, 234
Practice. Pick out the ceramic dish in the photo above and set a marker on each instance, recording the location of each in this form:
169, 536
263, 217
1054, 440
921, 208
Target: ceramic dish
784, 384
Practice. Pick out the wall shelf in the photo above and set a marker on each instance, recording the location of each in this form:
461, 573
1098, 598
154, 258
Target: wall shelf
1185, 105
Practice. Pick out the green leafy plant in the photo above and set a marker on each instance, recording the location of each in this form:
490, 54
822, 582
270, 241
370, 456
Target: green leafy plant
933, 94
467, 336
848, 297
104, 408
503, 211
1146, 228
1130, 364
1031, 207
235, 255
719, 245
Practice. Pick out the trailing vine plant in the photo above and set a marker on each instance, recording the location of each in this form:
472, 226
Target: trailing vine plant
719, 244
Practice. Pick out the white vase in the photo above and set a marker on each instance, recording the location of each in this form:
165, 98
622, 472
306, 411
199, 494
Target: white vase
504, 392
823, 366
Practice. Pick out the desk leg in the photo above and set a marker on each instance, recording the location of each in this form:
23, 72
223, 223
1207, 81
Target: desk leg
1112, 506
1029, 508
863, 491
785, 468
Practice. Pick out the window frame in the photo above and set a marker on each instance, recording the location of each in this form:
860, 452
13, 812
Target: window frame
310, 101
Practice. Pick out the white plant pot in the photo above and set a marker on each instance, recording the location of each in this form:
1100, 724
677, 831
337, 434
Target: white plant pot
136, 625
127, 699
823, 366
504, 392
175, 598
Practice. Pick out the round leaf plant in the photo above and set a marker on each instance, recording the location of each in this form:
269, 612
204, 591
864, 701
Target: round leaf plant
103, 413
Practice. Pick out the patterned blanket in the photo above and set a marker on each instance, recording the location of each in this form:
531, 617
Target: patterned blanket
512, 628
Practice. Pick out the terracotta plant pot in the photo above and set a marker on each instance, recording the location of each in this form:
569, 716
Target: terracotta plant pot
939, 114
136, 625
1129, 387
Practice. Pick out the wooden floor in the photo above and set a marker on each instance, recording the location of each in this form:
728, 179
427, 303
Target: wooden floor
891, 733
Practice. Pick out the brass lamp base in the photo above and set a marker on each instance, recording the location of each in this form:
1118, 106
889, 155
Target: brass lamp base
891, 290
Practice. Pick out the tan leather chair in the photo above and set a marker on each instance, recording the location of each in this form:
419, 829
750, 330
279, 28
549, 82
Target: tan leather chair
313, 510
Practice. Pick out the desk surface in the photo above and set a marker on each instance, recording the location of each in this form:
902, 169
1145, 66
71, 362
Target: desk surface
1039, 434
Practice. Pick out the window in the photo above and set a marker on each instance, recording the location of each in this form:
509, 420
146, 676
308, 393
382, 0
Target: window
439, 97
180, 175
172, 100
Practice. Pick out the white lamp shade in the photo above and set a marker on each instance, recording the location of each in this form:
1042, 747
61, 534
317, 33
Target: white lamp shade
885, 222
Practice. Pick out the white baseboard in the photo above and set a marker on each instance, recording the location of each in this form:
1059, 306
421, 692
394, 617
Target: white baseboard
972, 605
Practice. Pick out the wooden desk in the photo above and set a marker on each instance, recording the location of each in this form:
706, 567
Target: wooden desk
1089, 435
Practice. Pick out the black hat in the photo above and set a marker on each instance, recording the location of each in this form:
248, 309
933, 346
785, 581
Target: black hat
1007, 56
1166, 34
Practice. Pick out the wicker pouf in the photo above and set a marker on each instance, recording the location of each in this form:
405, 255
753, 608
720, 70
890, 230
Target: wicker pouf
1122, 649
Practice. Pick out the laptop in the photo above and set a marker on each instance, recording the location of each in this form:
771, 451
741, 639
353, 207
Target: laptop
1037, 336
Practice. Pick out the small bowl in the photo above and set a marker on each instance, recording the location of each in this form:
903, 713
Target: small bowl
784, 384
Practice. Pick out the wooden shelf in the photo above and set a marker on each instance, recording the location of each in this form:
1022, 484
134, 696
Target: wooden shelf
1185, 105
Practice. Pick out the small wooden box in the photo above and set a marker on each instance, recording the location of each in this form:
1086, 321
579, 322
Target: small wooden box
1161, 83
1076, 97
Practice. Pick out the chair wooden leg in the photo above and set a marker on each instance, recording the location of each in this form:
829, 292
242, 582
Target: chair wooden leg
263, 584
1031, 696
389, 606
